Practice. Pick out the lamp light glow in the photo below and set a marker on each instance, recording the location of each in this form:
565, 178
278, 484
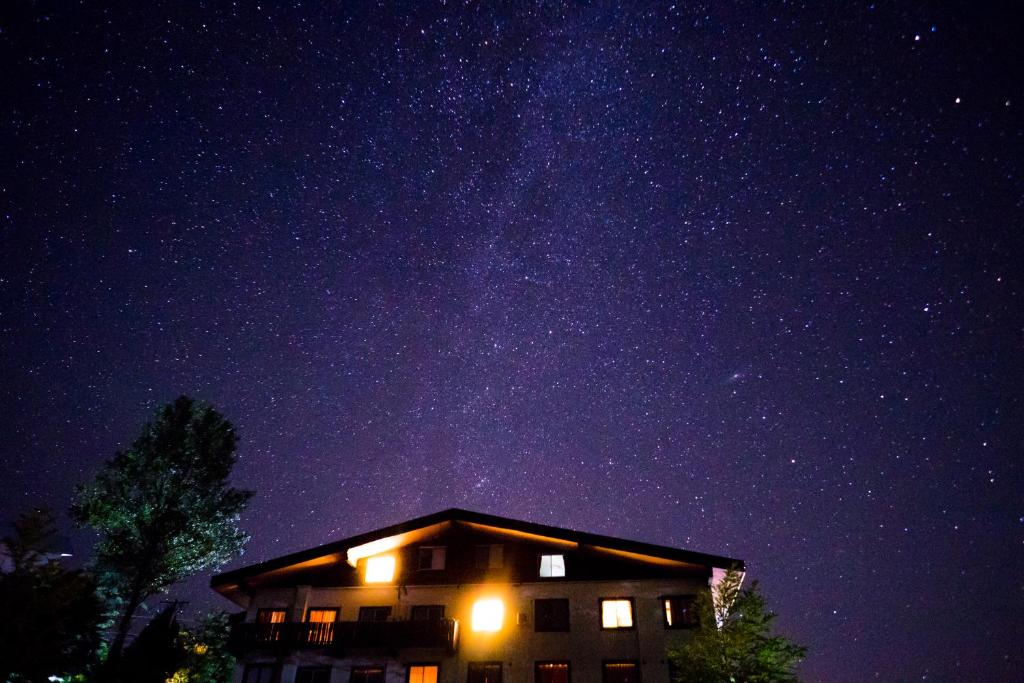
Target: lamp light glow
488, 615
380, 569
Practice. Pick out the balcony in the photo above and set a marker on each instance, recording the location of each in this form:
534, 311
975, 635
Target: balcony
345, 636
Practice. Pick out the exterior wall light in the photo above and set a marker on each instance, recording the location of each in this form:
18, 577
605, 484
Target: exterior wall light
380, 569
488, 615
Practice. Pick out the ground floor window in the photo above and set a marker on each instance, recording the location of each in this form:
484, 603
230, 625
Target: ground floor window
260, 673
552, 672
313, 674
423, 673
484, 672
367, 674
621, 672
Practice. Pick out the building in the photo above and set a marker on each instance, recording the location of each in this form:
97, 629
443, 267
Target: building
461, 596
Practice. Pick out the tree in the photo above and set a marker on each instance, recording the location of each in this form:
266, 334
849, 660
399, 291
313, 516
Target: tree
163, 508
51, 615
733, 642
155, 653
207, 659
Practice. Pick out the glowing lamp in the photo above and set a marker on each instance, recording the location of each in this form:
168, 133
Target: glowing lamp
488, 614
380, 569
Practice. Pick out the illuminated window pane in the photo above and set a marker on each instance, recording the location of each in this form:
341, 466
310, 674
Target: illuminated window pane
616, 614
380, 569
621, 672
425, 673
680, 611
488, 615
552, 566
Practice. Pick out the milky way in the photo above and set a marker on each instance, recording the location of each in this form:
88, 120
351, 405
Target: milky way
740, 279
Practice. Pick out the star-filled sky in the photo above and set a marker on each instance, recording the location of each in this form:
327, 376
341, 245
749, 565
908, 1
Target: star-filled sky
743, 278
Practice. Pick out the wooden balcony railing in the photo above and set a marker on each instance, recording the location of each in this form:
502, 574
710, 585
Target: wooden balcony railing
439, 634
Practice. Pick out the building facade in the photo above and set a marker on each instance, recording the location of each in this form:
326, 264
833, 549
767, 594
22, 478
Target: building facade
460, 596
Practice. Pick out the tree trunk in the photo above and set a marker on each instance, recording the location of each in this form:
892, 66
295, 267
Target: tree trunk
123, 626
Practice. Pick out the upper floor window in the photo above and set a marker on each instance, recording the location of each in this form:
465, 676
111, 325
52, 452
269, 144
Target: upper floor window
270, 622
617, 613
320, 622
552, 566
490, 556
431, 557
680, 611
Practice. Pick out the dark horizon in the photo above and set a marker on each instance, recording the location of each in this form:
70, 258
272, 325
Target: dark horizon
742, 279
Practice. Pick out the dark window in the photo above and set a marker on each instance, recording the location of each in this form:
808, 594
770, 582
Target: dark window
259, 673
431, 557
374, 613
270, 616
427, 613
423, 673
680, 611
552, 672
484, 672
313, 674
621, 672
490, 556
367, 674
551, 614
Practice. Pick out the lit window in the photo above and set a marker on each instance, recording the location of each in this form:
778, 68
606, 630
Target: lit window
431, 557
617, 613
552, 672
621, 672
552, 566
488, 614
380, 569
423, 673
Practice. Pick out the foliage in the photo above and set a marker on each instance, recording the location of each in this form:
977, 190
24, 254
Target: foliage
51, 615
154, 654
163, 508
733, 643
206, 655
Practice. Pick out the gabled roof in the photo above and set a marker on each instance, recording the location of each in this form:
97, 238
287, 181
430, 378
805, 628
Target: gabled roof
222, 582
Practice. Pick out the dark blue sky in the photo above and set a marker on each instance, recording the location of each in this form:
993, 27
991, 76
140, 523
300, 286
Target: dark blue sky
744, 279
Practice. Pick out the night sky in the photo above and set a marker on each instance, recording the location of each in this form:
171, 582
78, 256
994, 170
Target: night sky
742, 279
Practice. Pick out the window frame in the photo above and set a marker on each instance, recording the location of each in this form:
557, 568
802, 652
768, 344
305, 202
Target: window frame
486, 662
680, 627
271, 610
413, 608
410, 665
632, 615
536, 619
634, 662
537, 664
318, 608
540, 565
365, 608
433, 550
